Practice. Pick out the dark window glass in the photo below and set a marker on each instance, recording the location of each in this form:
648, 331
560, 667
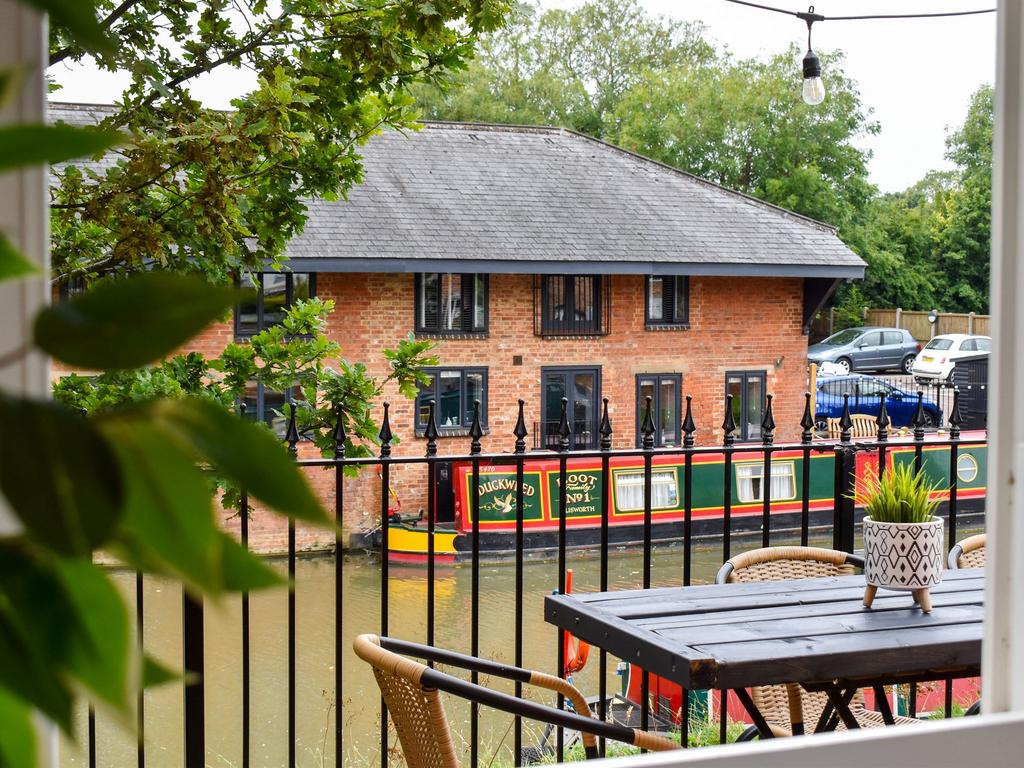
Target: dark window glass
668, 300
581, 387
571, 304
454, 390
870, 340
267, 405
664, 391
275, 294
892, 337
451, 303
748, 391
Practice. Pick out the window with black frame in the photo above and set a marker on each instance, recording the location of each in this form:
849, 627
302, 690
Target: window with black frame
450, 303
748, 390
267, 405
454, 390
664, 391
572, 304
276, 293
667, 301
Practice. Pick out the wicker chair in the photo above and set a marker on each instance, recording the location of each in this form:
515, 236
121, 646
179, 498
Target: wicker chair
969, 553
411, 691
788, 707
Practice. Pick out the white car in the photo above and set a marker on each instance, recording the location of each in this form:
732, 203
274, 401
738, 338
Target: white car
936, 361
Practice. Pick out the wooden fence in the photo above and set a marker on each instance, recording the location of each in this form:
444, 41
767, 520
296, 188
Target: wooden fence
915, 321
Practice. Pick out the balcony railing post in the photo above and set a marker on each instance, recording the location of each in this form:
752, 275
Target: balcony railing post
195, 695
845, 486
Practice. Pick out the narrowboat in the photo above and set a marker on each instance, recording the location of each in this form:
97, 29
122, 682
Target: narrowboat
711, 498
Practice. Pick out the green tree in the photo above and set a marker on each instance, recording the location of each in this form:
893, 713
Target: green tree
563, 67
221, 192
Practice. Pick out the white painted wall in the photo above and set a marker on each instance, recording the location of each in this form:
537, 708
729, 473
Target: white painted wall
23, 219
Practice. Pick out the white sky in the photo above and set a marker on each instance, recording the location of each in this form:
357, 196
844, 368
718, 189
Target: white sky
916, 74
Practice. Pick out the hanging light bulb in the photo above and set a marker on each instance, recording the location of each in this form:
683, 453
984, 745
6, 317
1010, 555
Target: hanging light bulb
814, 88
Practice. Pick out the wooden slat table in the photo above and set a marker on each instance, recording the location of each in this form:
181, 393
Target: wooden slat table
815, 632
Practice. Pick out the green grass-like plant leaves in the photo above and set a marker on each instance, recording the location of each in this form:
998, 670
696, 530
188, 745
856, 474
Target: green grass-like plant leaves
899, 495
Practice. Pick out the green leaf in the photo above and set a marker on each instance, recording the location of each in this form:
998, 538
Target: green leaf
155, 673
129, 323
12, 263
247, 454
36, 621
59, 475
168, 525
101, 655
244, 571
17, 737
79, 16
22, 145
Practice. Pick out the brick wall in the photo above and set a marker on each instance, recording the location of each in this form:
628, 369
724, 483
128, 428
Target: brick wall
750, 324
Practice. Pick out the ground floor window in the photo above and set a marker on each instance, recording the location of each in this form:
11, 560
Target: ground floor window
267, 405
664, 391
582, 388
453, 390
748, 390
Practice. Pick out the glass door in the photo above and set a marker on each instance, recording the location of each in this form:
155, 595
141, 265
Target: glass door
582, 387
664, 391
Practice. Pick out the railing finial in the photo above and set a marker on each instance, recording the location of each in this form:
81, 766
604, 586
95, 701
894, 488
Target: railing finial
475, 431
563, 427
956, 418
520, 430
882, 421
605, 429
919, 418
807, 420
647, 428
689, 427
845, 420
431, 432
292, 435
385, 433
729, 424
768, 423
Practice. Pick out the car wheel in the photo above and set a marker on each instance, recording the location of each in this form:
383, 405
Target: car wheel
844, 363
930, 421
908, 363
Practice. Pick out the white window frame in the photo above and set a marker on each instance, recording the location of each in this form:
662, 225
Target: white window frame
666, 476
749, 471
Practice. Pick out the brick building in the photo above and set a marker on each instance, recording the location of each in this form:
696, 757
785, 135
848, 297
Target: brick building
546, 264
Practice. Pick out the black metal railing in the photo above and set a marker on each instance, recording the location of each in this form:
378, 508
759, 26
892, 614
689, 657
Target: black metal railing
547, 435
797, 525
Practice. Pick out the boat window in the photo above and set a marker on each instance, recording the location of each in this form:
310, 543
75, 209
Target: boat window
629, 490
966, 468
750, 479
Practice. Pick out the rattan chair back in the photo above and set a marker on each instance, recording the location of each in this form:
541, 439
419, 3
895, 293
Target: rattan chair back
788, 705
415, 709
969, 553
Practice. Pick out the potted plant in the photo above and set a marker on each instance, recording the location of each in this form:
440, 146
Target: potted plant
903, 542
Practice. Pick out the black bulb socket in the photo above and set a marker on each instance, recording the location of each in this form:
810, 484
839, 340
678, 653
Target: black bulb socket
812, 65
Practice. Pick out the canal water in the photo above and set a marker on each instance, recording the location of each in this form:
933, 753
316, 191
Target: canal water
317, 709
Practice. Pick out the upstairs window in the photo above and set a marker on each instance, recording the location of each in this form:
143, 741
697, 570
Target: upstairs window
571, 305
448, 303
276, 293
668, 301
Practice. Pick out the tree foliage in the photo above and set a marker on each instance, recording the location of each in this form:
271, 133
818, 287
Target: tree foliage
222, 192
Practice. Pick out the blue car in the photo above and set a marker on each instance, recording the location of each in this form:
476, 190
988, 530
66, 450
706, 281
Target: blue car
865, 396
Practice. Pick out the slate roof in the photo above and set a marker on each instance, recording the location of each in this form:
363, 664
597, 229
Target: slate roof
492, 198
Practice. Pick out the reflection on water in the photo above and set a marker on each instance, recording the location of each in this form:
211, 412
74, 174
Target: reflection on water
315, 628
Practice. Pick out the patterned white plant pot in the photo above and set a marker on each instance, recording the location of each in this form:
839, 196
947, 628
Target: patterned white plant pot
903, 556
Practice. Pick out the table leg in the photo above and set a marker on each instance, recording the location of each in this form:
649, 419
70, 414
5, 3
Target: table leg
755, 714
882, 702
826, 718
841, 702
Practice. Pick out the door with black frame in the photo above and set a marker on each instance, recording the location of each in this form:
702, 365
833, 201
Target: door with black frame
582, 387
664, 391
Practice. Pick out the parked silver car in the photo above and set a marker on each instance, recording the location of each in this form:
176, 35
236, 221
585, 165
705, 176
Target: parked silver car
867, 349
